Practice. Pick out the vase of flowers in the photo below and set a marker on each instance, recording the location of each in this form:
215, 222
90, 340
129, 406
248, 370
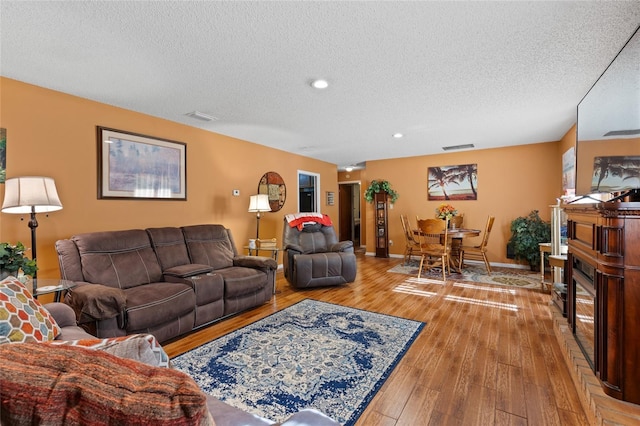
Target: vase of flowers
446, 211
13, 260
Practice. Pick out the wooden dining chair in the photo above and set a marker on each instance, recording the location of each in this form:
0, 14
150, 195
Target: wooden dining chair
411, 241
478, 252
434, 245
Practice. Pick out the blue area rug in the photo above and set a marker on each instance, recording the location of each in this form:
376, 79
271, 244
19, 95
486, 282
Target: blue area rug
309, 355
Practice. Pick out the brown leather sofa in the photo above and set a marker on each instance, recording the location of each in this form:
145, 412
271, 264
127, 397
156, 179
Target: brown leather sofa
314, 257
222, 413
161, 281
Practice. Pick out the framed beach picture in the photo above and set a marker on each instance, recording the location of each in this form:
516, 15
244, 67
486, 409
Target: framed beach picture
136, 166
453, 182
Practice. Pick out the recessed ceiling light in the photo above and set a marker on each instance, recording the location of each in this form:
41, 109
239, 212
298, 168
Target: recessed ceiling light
319, 84
398, 135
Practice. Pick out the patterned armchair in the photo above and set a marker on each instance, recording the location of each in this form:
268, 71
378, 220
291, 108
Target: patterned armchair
313, 256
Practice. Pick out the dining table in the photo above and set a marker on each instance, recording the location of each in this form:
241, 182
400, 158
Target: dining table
456, 236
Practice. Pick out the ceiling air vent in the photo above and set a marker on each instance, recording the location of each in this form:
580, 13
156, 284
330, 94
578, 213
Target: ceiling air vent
454, 147
201, 116
623, 132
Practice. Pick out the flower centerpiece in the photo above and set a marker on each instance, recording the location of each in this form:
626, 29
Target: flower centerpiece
12, 260
444, 211
380, 186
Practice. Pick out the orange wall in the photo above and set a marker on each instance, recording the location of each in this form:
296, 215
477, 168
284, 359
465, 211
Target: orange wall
512, 181
54, 134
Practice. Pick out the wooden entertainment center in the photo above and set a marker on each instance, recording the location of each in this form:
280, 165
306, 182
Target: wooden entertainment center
603, 297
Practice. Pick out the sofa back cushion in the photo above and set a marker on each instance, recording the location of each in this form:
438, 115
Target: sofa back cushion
313, 238
169, 246
69, 260
121, 259
209, 245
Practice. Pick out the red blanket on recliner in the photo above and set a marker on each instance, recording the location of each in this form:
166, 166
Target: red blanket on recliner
299, 219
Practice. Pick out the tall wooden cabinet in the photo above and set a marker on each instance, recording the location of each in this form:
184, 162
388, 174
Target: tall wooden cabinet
604, 269
381, 225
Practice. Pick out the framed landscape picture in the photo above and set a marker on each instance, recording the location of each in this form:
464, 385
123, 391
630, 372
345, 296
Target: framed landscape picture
453, 182
131, 165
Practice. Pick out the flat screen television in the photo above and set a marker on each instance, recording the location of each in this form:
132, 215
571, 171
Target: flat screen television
608, 130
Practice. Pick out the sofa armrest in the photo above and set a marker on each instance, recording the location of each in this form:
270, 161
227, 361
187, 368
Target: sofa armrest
309, 417
255, 262
345, 246
63, 314
96, 302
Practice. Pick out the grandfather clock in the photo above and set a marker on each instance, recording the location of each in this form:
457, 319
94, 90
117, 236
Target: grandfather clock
381, 224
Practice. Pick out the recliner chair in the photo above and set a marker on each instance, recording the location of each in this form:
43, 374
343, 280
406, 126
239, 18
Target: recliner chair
314, 257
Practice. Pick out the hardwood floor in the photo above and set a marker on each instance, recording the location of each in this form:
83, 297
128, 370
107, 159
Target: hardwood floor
487, 356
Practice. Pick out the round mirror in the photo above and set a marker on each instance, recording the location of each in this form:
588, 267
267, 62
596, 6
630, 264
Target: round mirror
273, 185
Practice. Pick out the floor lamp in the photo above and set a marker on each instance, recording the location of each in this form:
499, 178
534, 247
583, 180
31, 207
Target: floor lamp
258, 204
31, 195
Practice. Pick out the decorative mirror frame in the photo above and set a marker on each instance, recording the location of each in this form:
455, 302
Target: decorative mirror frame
272, 184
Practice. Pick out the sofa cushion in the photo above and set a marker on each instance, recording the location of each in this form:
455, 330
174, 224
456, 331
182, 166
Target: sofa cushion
139, 347
209, 245
240, 281
22, 317
313, 242
73, 385
120, 259
170, 247
158, 303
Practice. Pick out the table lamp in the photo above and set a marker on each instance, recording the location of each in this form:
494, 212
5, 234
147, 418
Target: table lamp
258, 204
31, 195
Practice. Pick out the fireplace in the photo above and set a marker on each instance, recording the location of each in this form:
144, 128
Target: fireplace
583, 302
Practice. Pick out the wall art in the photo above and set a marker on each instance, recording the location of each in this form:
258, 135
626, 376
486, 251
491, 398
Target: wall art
136, 166
453, 182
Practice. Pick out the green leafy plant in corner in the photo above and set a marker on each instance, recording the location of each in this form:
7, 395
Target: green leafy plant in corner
526, 234
12, 260
380, 186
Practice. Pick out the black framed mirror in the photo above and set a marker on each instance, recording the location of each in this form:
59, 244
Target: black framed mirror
272, 184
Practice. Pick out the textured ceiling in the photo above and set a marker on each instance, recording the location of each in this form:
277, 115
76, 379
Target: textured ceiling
443, 73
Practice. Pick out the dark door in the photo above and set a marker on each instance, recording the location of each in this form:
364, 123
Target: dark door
346, 212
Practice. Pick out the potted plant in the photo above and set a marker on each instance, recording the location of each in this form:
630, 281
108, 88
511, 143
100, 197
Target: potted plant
12, 260
526, 235
380, 186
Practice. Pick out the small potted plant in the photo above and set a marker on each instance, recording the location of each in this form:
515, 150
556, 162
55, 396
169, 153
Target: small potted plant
526, 235
380, 186
12, 260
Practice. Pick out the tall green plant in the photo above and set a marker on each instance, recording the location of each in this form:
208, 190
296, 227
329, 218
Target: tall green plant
526, 234
378, 186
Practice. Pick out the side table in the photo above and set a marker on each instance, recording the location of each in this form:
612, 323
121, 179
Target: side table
46, 286
255, 251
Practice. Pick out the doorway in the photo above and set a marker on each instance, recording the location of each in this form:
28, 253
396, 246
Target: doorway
308, 192
349, 205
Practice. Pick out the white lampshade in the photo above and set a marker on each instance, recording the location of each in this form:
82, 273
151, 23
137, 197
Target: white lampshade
28, 194
259, 203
